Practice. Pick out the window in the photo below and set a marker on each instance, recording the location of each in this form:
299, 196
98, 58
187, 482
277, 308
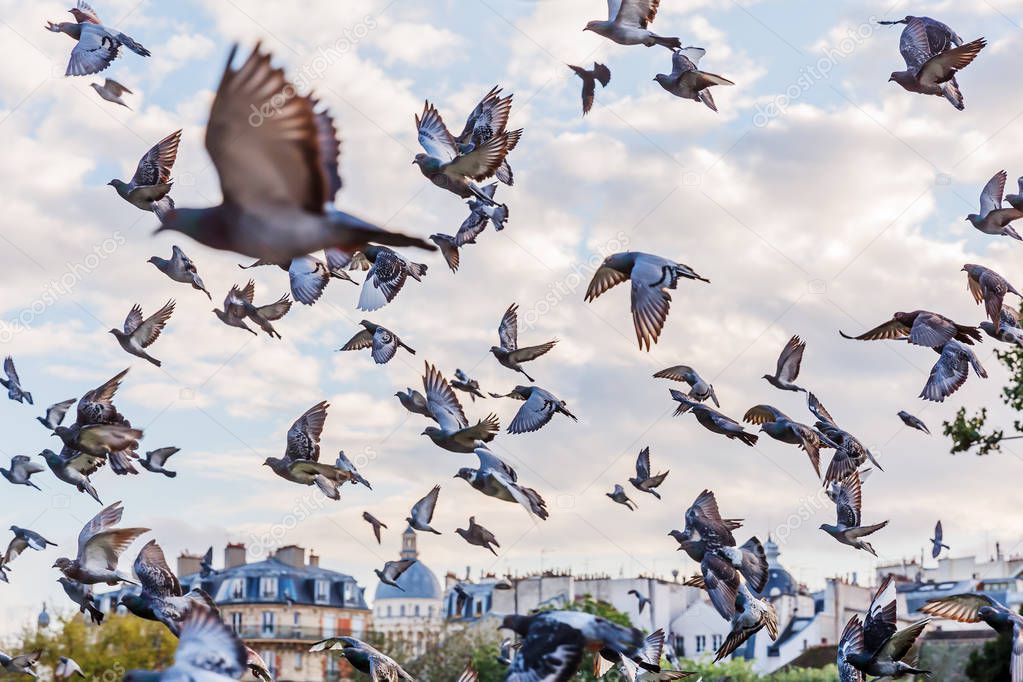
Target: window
388, 610
238, 588
479, 607
417, 609
401, 610
431, 612
298, 660
701, 643
271, 661
715, 642
296, 618
268, 622
322, 591
349, 592
236, 621
268, 588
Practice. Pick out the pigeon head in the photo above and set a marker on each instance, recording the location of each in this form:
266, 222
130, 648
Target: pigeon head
117, 184
904, 78
622, 262
432, 432
427, 163
134, 603
592, 25
116, 332
662, 78
64, 433
271, 462
466, 473
63, 563
516, 623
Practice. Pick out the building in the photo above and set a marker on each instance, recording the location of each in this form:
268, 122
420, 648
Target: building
411, 614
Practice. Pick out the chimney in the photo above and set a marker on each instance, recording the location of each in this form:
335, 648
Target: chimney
188, 564
314, 559
292, 555
234, 555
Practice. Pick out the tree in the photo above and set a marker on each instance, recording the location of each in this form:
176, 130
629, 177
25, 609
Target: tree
990, 663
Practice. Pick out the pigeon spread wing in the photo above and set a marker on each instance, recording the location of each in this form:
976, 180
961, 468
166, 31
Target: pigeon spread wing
149, 331
155, 167
154, 574
304, 434
208, 644
959, 607
533, 415
508, 330
483, 161
603, 279
95, 50
308, 277
790, 360
991, 195
637, 12
643, 464
434, 136
362, 339
442, 402
650, 302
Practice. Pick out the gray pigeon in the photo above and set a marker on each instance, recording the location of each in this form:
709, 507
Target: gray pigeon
847, 495
308, 276
920, 328
301, 462
627, 22
382, 342
387, 275
498, 213
82, 596
877, 646
488, 119
66, 668
787, 370
644, 480
651, 277
538, 408
989, 287
509, 353
937, 542
913, 422
239, 306
100, 440
206, 564
453, 432
641, 599
619, 496
55, 413
392, 571
931, 60
993, 217
1008, 329
364, 658
23, 539
375, 522
472, 227
139, 334
712, 420
13, 384
414, 401
97, 46
24, 664
277, 178
699, 391
111, 91
99, 547
599, 72
778, 426
21, 471
463, 382
348, 466
477, 535
162, 598
750, 617
1016, 200
422, 512
155, 460
180, 268
495, 478
981, 607
149, 189
950, 371
74, 468
687, 81
208, 651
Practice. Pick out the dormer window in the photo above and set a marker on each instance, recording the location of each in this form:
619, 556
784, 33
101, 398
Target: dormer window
322, 591
238, 588
268, 588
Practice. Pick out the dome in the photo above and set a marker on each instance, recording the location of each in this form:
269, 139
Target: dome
779, 581
418, 581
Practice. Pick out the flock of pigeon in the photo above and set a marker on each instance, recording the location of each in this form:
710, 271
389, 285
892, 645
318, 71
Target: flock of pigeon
287, 214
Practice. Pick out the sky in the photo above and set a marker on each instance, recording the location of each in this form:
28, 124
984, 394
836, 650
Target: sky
820, 197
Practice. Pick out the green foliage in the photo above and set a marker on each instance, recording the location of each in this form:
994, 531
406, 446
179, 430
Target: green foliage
736, 670
967, 432
990, 663
480, 644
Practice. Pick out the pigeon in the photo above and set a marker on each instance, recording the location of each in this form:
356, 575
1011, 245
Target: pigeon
618, 495
301, 462
364, 658
980, 607
787, 370
139, 334
340, 262
461, 598
477, 535
155, 459
277, 178
847, 495
651, 277
642, 599
387, 274
937, 543
162, 599
479, 215
876, 646
921, 328
453, 432
348, 466
462, 382
257, 666
111, 91
21, 471
726, 570
375, 522
1016, 200
850, 453
993, 218
712, 420
382, 342
931, 60
648, 656
778, 426
538, 408
82, 596
988, 286
97, 46
392, 571
687, 81
74, 468
13, 384
308, 276
1008, 329
238, 307
508, 353
497, 213
627, 22
643, 480
208, 651
599, 72
66, 668
751, 616
55, 413
414, 401
699, 391
206, 564
422, 512
102, 440
24, 664
488, 119
149, 189
180, 268
99, 546
25, 539
504, 656
495, 478
950, 371
913, 422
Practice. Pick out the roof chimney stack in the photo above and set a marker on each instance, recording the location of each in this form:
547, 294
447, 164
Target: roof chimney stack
234, 555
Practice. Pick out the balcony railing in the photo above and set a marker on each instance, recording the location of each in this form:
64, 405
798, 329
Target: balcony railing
299, 632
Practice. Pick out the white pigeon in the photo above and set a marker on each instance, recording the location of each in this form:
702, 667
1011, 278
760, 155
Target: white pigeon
627, 22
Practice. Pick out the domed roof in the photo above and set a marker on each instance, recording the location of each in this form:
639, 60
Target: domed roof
418, 581
779, 580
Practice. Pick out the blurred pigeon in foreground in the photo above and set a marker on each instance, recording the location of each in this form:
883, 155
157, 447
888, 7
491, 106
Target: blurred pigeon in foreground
495, 478
687, 81
847, 495
392, 571
24, 664
462, 382
208, 651
111, 91
13, 384
162, 598
422, 512
508, 353
913, 422
149, 189
383, 342
627, 23
301, 462
989, 287
993, 218
365, 658
538, 408
950, 371
82, 596
699, 391
618, 495
876, 647
97, 46
476, 534
22, 469
979, 607
1008, 329
139, 334
99, 547
155, 460
712, 420
375, 522
651, 277
75, 468
278, 178
387, 275
453, 432
66, 667
778, 426
787, 369
180, 268
937, 542
599, 72
55, 413
921, 328
643, 480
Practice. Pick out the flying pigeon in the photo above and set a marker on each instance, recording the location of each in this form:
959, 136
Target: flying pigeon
66, 668
278, 178
82, 596
950, 371
643, 480
97, 45
13, 384
348, 466
699, 391
496, 478
471, 227
24, 664
453, 432
641, 599
989, 287
149, 189
751, 616
308, 276
599, 72
23, 539
993, 218
508, 353
102, 440
618, 495
651, 277
162, 598
392, 571
139, 334
99, 546
847, 495
921, 328
339, 263
787, 370
687, 81
55, 413
931, 60
726, 569
301, 462
387, 275
111, 91
414, 401
712, 420
476, 534
239, 306
508, 647
538, 408
382, 342
206, 564
463, 382
364, 658
627, 22
488, 119
877, 647
1008, 329
497, 213
74, 468
422, 512
180, 268
937, 543
778, 426
1016, 200
913, 422
21, 471
375, 522
208, 650
850, 453
980, 607
155, 460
